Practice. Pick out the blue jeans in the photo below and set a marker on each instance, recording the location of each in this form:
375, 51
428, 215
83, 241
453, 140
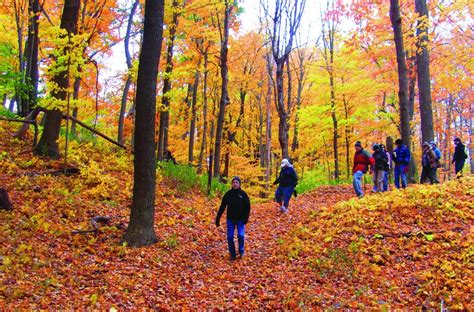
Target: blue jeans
285, 192
357, 182
240, 236
385, 181
400, 174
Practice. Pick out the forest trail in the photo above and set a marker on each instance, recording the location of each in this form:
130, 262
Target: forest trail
263, 278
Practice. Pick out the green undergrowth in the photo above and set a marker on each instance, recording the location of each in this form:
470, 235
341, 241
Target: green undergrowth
411, 247
313, 179
187, 178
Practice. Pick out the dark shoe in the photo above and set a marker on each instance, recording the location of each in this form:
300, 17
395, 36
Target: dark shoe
241, 255
231, 258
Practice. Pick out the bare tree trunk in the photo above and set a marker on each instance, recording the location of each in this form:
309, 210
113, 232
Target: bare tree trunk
165, 100
284, 23
225, 80
192, 127
396, 21
140, 231
423, 69
128, 82
204, 115
48, 145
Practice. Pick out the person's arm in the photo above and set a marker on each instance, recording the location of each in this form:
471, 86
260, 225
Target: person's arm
278, 179
295, 177
221, 209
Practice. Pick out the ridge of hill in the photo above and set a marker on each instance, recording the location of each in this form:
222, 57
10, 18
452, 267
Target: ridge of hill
405, 248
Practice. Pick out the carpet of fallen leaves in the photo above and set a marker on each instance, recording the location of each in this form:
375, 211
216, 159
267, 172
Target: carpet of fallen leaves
411, 248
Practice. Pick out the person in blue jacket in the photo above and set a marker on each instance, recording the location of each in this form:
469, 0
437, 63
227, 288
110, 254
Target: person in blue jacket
438, 160
237, 203
401, 158
286, 181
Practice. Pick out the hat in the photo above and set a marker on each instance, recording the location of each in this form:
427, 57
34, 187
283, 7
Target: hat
457, 140
285, 163
382, 146
426, 144
433, 143
236, 178
376, 147
358, 144
398, 142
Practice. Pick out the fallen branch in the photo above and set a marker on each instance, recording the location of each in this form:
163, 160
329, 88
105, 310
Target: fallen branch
94, 131
95, 225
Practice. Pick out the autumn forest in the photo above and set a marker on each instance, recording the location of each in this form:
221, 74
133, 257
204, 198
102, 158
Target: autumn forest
123, 123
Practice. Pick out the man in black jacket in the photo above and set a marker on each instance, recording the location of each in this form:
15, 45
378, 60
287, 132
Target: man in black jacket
237, 203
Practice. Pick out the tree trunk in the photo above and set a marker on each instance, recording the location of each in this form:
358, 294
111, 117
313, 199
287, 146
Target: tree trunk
225, 80
165, 100
283, 125
140, 231
204, 116
423, 70
48, 145
128, 82
192, 127
396, 21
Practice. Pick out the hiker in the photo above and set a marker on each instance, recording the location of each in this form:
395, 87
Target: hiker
459, 157
237, 203
387, 173
438, 160
287, 180
428, 163
380, 167
362, 163
401, 157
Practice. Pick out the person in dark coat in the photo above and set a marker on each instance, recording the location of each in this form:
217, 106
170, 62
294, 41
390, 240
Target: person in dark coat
237, 203
287, 181
459, 157
380, 167
428, 163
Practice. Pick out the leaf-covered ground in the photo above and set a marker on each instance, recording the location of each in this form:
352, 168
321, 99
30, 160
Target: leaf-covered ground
411, 248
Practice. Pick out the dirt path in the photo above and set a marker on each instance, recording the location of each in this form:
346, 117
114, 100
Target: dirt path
264, 278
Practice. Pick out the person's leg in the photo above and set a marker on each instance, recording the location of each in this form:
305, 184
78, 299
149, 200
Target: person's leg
374, 181
241, 236
458, 165
279, 195
403, 175
385, 181
230, 238
356, 182
396, 173
380, 180
435, 175
287, 192
423, 175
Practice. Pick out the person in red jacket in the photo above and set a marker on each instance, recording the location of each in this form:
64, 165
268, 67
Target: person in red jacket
363, 162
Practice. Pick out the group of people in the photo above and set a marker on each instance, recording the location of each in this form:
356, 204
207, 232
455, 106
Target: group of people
381, 161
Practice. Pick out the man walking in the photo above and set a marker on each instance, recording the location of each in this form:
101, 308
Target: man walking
287, 180
237, 203
459, 157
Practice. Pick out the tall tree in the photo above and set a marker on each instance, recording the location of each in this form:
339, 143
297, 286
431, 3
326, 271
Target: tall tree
283, 25
165, 99
329, 28
224, 100
48, 145
140, 231
396, 21
128, 82
423, 70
